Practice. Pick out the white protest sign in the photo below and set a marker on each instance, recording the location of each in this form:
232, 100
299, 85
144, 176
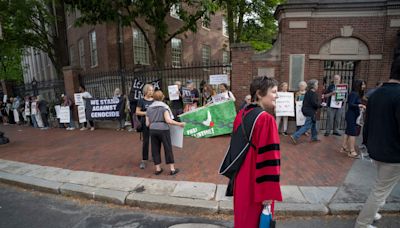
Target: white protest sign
300, 118
78, 99
335, 103
16, 115
176, 136
33, 108
81, 114
57, 108
4, 98
27, 109
173, 92
39, 120
285, 104
217, 79
64, 114
220, 97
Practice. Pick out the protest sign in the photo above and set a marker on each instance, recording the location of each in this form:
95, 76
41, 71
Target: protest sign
285, 104
33, 108
78, 99
27, 109
220, 97
64, 114
173, 92
4, 98
217, 79
57, 108
81, 114
16, 115
187, 96
176, 133
209, 121
137, 87
300, 118
341, 92
103, 109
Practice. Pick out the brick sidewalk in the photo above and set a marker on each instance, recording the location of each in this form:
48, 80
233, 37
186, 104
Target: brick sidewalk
119, 153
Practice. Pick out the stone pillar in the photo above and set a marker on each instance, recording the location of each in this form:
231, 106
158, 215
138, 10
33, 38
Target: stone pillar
242, 71
71, 83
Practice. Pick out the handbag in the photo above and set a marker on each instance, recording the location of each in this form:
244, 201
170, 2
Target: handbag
266, 220
360, 118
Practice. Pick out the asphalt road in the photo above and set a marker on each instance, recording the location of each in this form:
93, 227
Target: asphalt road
20, 208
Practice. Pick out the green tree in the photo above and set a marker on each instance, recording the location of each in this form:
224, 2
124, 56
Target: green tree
153, 12
10, 64
35, 23
251, 21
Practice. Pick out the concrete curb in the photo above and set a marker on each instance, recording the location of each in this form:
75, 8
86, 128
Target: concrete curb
30, 182
300, 209
354, 208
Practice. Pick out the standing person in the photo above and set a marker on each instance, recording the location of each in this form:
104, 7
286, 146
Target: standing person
283, 88
247, 101
195, 96
27, 109
352, 130
299, 97
44, 112
223, 88
132, 110
334, 114
158, 118
121, 119
310, 106
381, 135
15, 109
70, 104
208, 93
177, 105
86, 95
253, 160
34, 112
9, 109
141, 109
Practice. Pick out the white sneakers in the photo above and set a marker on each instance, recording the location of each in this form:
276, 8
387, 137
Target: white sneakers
83, 129
70, 128
377, 217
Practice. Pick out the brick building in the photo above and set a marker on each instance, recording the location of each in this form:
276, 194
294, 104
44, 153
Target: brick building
320, 38
95, 48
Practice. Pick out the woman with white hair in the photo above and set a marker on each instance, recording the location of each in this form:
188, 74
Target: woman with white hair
299, 97
310, 106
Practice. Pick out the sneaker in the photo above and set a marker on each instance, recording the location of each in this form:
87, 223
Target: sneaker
337, 134
92, 128
142, 165
68, 129
377, 217
71, 128
294, 141
83, 129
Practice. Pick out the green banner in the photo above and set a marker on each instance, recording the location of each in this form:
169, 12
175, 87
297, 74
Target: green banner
209, 121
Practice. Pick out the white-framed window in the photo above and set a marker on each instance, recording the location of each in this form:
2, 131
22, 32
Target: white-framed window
204, 23
140, 48
176, 52
81, 49
71, 56
225, 27
206, 55
93, 49
296, 71
174, 11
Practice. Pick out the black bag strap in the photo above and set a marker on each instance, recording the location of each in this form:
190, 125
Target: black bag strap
251, 117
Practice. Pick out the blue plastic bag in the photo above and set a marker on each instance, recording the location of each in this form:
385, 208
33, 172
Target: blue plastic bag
266, 218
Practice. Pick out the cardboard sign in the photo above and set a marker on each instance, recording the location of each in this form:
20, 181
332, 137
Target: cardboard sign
64, 114
33, 108
78, 99
81, 114
176, 133
300, 118
341, 92
173, 92
217, 79
285, 104
335, 103
104, 109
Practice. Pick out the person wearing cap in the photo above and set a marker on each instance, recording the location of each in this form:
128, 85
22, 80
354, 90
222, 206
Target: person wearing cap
195, 95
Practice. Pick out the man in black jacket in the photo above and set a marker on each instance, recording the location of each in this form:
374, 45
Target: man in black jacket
382, 137
310, 106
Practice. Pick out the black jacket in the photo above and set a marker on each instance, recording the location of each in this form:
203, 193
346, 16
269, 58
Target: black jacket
382, 124
310, 104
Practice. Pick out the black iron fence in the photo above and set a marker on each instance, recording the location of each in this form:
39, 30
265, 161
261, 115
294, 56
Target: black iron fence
103, 84
49, 90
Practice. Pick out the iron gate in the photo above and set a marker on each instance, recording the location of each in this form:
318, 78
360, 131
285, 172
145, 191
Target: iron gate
346, 69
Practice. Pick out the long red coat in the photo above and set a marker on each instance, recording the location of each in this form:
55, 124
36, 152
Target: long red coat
258, 177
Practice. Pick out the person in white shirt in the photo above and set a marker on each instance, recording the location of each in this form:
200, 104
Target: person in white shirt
223, 88
86, 95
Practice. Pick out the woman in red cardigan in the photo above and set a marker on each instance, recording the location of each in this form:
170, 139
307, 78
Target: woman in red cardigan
253, 160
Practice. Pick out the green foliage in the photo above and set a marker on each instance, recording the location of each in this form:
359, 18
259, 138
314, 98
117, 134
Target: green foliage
10, 64
153, 12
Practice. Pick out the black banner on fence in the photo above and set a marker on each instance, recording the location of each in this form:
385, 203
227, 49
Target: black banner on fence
137, 87
104, 109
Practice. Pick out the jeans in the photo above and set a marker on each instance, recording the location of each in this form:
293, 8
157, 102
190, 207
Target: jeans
307, 125
35, 124
388, 177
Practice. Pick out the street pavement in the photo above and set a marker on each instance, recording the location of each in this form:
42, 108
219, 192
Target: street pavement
119, 153
20, 208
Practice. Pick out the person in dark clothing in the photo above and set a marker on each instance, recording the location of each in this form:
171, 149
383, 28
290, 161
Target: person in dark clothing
352, 129
44, 112
382, 138
177, 105
141, 109
310, 106
132, 110
333, 113
158, 118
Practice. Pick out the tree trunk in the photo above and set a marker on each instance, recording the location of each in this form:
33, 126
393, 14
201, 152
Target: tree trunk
242, 8
160, 51
229, 19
